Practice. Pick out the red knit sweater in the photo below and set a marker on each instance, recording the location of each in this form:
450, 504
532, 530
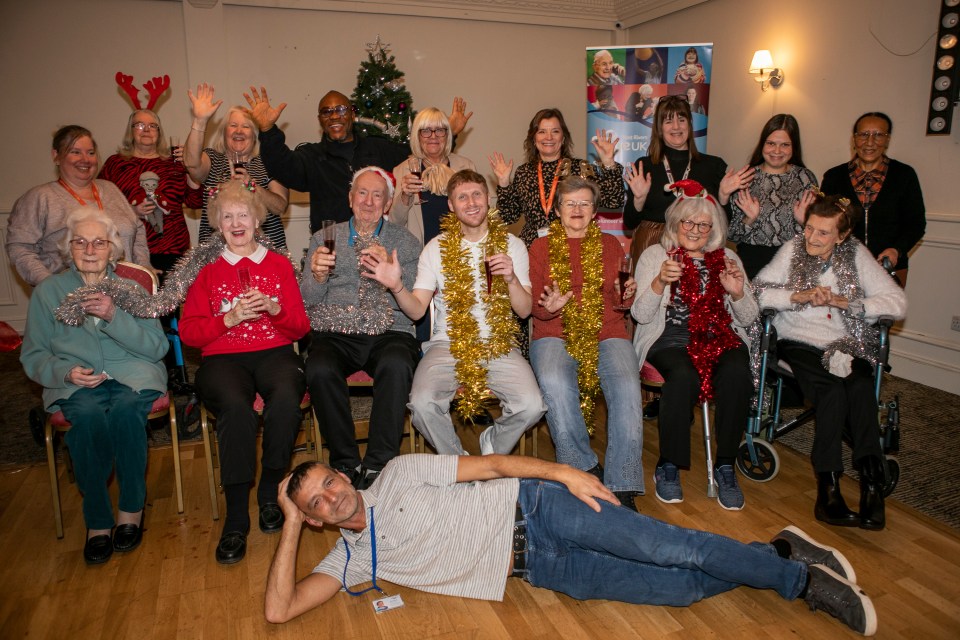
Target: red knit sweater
215, 292
550, 325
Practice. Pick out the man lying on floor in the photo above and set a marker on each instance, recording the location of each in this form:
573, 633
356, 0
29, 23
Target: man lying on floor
460, 525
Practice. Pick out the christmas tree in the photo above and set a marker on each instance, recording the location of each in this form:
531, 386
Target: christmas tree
385, 106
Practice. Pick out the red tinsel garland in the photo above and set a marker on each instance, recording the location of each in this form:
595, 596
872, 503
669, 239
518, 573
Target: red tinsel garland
709, 324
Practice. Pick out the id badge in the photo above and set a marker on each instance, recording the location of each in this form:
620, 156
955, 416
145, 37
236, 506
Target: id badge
386, 604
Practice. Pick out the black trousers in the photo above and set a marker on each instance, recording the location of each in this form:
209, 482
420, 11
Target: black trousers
228, 384
755, 257
732, 390
390, 359
839, 402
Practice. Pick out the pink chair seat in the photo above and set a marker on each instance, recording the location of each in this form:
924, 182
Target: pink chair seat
360, 377
650, 375
161, 404
258, 402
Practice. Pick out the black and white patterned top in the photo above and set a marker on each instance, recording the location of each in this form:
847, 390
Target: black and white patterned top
220, 173
777, 193
676, 332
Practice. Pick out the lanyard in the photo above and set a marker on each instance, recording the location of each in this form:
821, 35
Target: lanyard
373, 547
354, 234
547, 203
666, 165
76, 196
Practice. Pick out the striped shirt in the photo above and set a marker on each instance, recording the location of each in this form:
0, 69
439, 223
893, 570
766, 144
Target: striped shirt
433, 533
220, 173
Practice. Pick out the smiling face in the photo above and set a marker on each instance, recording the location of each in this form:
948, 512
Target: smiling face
146, 132
89, 259
690, 57
326, 497
78, 164
369, 199
469, 202
603, 65
549, 139
821, 236
777, 151
238, 226
694, 239
676, 131
239, 134
577, 210
871, 140
336, 117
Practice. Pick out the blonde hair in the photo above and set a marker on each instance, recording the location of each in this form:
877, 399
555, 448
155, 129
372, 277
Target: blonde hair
686, 208
235, 192
219, 143
126, 145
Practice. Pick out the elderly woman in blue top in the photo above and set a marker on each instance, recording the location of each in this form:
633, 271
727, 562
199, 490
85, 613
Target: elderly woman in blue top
104, 376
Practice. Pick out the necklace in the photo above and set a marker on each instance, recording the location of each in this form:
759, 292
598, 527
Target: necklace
76, 196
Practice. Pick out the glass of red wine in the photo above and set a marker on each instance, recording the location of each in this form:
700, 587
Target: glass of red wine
624, 271
238, 161
488, 252
175, 149
415, 165
328, 230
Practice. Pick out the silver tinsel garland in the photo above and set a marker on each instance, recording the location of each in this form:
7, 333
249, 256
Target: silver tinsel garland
862, 340
133, 299
372, 314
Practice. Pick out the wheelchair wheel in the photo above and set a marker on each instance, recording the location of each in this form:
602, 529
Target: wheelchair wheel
768, 462
893, 468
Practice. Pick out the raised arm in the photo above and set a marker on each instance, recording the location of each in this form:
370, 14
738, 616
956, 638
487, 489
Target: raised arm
583, 485
202, 106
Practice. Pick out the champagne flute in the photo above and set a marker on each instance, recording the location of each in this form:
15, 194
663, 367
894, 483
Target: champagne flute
175, 148
488, 252
415, 165
624, 271
328, 229
676, 255
243, 273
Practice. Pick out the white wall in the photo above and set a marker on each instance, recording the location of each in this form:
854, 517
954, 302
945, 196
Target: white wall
835, 70
58, 59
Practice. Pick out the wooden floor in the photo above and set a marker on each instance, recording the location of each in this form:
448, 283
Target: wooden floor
171, 587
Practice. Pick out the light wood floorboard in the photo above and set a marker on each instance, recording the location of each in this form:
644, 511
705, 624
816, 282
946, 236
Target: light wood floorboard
171, 587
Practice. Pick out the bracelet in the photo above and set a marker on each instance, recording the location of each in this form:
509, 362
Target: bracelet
398, 290
195, 129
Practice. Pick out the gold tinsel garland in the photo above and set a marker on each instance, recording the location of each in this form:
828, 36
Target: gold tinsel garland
459, 295
581, 321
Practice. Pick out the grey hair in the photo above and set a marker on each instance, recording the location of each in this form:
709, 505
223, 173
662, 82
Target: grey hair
219, 141
686, 208
383, 173
90, 213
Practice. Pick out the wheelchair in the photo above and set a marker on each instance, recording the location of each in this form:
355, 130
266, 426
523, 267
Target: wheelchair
757, 458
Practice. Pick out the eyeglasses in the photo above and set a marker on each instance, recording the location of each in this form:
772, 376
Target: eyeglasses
146, 126
863, 136
574, 204
440, 132
81, 243
340, 110
702, 227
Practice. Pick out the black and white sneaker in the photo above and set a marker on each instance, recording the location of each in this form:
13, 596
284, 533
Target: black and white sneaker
842, 599
805, 549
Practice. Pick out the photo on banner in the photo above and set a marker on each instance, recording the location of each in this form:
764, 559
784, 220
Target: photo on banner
624, 85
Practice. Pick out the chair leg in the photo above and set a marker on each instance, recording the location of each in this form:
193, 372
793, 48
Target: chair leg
409, 433
536, 434
54, 482
208, 451
175, 444
708, 447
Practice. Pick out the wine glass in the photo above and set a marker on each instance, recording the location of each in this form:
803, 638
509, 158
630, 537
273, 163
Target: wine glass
624, 271
328, 230
415, 165
243, 273
174, 148
238, 161
676, 255
488, 252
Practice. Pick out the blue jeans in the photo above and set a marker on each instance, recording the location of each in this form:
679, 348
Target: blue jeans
108, 427
619, 370
618, 554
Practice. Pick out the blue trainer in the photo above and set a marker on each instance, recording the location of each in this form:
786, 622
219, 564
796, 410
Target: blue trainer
729, 495
666, 478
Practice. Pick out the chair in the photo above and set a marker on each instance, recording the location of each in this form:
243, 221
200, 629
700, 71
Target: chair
163, 405
757, 459
358, 380
650, 377
210, 441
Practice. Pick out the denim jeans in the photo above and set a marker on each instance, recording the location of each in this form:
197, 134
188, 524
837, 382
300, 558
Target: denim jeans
619, 370
618, 554
108, 428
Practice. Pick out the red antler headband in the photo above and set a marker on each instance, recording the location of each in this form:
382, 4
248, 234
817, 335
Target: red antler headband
155, 88
689, 189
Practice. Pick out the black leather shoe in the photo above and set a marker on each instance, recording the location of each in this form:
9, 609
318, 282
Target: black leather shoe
597, 471
232, 547
271, 518
98, 549
127, 537
872, 514
367, 478
652, 410
831, 507
628, 499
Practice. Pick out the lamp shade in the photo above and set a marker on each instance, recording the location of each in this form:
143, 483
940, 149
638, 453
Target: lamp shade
761, 60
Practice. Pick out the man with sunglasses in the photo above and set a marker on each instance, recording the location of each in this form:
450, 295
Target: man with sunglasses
323, 169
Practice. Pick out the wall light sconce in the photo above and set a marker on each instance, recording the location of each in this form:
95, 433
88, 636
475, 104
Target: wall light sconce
766, 74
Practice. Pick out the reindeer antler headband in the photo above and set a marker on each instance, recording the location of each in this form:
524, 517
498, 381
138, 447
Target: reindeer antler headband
156, 87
